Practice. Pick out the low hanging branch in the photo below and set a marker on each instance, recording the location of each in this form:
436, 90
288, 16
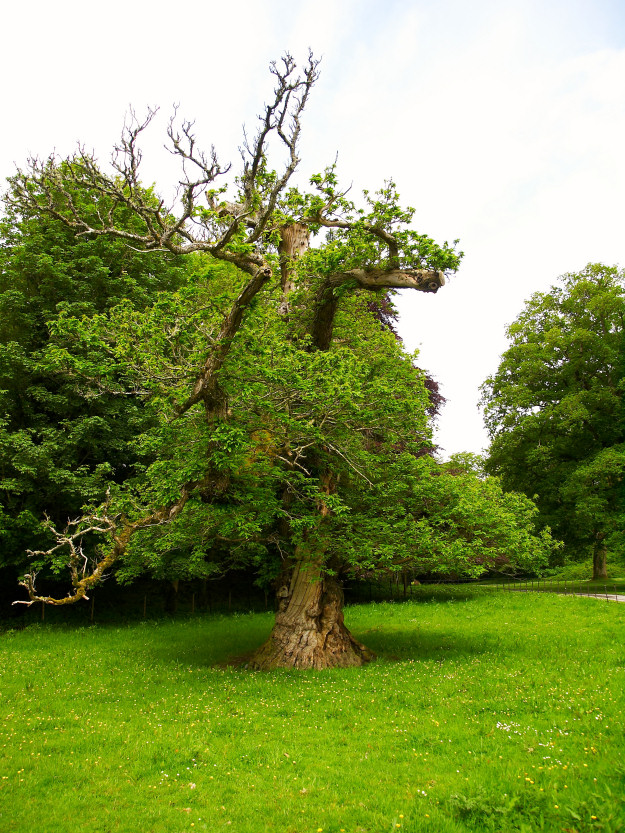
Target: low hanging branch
71, 539
116, 530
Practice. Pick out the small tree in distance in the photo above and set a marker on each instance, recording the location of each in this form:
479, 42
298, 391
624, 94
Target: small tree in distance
289, 425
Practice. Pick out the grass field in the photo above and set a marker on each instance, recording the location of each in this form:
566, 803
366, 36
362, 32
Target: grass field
485, 710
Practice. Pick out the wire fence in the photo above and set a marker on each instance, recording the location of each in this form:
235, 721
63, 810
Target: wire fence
566, 587
115, 604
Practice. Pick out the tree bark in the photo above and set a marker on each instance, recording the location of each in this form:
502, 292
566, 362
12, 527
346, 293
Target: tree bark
294, 242
371, 279
309, 631
599, 559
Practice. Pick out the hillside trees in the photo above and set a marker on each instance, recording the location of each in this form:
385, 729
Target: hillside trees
288, 425
554, 410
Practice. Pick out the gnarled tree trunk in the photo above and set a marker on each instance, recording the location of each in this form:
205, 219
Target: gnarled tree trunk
309, 631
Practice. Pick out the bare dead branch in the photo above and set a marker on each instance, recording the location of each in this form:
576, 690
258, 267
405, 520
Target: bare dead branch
288, 89
50, 186
117, 532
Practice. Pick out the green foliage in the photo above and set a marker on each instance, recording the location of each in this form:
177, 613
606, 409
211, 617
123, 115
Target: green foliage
319, 451
554, 409
362, 405
63, 435
433, 519
355, 247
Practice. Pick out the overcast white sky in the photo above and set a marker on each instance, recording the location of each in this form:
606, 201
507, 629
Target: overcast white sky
502, 121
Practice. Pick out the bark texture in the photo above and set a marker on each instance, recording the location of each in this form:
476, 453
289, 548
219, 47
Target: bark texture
309, 631
294, 242
371, 279
599, 559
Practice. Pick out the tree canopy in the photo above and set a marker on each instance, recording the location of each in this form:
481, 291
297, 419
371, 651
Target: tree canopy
554, 410
62, 438
286, 426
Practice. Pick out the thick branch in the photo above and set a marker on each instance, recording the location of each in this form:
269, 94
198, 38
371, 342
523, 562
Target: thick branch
206, 386
294, 242
425, 280
371, 279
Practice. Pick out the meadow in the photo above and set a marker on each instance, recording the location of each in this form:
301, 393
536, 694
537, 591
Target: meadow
485, 710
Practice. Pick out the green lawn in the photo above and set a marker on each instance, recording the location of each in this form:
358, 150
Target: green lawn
486, 710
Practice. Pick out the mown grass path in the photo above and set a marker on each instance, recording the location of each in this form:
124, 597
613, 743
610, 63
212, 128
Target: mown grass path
484, 711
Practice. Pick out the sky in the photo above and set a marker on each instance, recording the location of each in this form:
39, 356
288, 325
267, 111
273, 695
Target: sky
501, 121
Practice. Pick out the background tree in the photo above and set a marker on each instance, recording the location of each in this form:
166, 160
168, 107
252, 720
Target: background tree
554, 410
62, 438
288, 424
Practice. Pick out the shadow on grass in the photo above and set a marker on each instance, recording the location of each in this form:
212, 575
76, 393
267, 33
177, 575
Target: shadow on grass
210, 643
228, 641
220, 651
419, 645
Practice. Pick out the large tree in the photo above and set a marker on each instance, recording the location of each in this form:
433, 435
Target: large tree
554, 410
289, 425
